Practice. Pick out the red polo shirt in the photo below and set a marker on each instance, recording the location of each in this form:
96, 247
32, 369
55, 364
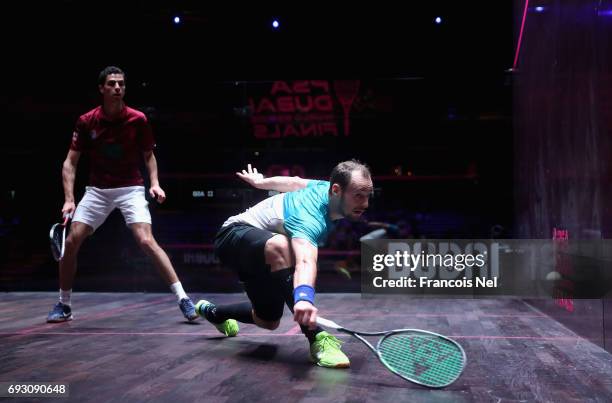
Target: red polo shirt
115, 146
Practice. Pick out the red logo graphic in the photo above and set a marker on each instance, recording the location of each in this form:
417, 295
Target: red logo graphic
346, 92
302, 109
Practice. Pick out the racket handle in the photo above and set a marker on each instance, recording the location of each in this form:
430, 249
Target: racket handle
327, 323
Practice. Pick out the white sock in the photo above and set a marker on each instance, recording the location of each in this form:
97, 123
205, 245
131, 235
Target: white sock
65, 296
177, 289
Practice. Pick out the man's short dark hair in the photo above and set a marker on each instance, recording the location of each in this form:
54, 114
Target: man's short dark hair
109, 70
341, 174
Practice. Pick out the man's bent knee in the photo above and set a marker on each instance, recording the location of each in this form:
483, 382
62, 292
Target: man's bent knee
76, 236
266, 324
146, 243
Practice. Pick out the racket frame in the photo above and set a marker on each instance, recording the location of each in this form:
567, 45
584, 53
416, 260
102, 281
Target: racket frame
376, 350
52, 238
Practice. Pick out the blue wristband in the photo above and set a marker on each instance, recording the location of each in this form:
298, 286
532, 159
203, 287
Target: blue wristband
303, 292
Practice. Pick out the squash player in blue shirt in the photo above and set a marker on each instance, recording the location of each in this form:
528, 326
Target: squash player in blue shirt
273, 247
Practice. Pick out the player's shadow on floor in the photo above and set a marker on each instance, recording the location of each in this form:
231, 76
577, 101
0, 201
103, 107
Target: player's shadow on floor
296, 363
261, 352
216, 338
186, 322
269, 352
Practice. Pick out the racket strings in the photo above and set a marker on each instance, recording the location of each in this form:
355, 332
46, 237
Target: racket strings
428, 359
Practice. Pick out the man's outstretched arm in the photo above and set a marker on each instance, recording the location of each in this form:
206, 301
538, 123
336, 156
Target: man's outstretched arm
277, 183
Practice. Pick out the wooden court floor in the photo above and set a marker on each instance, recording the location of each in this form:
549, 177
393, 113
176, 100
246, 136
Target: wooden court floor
136, 347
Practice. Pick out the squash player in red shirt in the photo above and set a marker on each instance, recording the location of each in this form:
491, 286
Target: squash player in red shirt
117, 138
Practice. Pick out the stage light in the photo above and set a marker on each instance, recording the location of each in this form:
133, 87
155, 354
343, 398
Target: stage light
438, 20
177, 20
275, 24
539, 9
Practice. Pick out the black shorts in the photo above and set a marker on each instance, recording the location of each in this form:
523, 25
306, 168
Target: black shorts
241, 247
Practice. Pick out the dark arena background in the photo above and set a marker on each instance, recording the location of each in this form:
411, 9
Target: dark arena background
479, 120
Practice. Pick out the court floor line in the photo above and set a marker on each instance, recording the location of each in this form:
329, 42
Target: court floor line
286, 334
433, 315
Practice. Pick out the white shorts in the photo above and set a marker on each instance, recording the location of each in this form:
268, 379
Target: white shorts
97, 204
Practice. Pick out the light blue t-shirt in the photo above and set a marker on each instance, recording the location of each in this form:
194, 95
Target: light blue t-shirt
306, 214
